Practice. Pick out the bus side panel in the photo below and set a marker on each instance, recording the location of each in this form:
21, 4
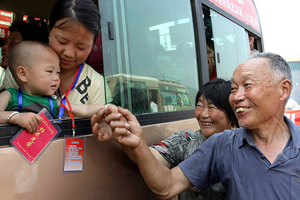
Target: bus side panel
158, 132
108, 174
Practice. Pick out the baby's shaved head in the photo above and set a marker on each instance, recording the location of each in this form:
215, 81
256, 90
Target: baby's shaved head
25, 53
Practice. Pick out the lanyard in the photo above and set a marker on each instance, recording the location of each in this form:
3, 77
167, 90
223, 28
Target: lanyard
63, 101
65, 98
20, 102
69, 112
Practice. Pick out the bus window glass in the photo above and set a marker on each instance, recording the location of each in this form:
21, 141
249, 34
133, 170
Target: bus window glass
154, 39
231, 44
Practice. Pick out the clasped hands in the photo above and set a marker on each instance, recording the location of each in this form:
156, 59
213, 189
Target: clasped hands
116, 123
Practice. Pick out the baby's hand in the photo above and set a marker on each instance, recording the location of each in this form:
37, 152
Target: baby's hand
112, 109
29, 120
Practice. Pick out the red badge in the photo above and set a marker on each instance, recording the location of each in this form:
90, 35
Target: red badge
74, 154
30, 146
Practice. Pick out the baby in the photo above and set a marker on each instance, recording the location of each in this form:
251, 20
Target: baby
35, 67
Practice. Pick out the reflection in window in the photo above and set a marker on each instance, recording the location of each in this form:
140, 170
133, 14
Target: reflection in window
155, 39
144, 94
174, 97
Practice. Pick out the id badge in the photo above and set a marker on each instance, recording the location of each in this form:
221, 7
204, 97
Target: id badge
74, 154
31, 146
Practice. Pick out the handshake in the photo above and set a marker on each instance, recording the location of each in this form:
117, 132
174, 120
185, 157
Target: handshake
116, 123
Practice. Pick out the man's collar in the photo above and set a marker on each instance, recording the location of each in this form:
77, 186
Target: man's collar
294, 129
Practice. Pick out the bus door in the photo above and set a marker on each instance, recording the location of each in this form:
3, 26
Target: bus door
230, 43
228, 25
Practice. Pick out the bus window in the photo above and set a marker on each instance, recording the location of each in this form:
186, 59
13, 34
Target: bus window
252, 45
159, 43
174, 97
134, 94
231, 44
140, 92
154, 100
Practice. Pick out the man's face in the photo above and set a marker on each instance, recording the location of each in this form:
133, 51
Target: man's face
251, 42
13, 38
254, 96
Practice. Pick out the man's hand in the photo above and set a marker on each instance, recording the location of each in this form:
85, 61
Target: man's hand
127, 133
100, 122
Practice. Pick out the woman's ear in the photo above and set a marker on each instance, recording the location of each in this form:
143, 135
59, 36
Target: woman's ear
22, 73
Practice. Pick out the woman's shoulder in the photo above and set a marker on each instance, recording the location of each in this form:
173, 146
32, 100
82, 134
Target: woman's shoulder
190, 133
91, 72
188, 137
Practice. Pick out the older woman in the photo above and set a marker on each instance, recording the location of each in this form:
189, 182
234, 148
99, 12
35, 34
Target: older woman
214, 114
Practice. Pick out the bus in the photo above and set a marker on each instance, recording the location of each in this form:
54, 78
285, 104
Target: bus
163, 50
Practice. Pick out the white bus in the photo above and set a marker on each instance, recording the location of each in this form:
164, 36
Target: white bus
163, 45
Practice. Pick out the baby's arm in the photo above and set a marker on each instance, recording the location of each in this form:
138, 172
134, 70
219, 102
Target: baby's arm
88, 111
30, 121
85, 110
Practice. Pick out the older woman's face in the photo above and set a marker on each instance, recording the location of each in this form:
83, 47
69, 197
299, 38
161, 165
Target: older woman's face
72, 43
13, 38
211, 119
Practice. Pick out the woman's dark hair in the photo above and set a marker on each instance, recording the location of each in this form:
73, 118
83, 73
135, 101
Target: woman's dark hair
217, 91
83, 11
30, 31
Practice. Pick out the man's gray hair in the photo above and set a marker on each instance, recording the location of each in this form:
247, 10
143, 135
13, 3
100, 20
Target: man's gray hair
278, 67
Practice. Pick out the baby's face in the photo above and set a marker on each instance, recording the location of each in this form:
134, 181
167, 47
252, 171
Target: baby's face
43, 75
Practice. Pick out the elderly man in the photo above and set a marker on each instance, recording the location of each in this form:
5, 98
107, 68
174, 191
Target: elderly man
260, 160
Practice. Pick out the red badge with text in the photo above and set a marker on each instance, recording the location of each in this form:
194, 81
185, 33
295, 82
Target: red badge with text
29, 145
74, 150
